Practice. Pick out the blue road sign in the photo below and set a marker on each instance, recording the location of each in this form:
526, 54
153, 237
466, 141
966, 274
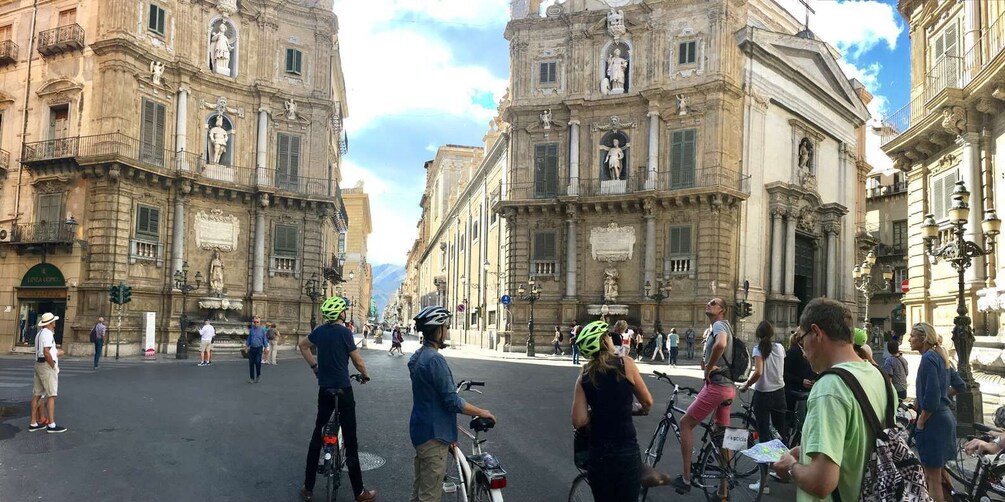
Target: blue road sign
506, 300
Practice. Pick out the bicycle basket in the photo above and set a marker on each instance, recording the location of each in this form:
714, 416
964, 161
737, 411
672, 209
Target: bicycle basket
581, 446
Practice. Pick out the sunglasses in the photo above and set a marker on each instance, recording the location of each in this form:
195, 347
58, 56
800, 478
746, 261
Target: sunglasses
712, 303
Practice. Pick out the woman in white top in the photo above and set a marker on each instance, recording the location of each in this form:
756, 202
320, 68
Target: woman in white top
768, 383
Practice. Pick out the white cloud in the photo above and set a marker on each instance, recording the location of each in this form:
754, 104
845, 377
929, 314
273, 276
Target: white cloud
391, 214
853, 27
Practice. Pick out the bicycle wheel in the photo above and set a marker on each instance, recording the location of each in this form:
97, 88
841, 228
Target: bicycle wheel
961, 467
654, 452
718, 478
580, 491
453, 480
483, 492
742, 464
331, 476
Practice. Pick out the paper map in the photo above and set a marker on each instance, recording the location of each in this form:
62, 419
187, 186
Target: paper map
765, 453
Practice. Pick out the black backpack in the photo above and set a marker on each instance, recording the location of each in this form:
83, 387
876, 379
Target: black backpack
739, 361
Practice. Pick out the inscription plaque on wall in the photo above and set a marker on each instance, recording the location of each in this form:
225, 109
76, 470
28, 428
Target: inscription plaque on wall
612, 243
215, 230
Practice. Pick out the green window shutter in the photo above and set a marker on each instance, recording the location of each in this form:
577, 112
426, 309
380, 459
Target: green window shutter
294, 159
544, 246
148, 123
289, 60
299, 63
159, 127
282, 155
148, 222
285, 241
938, 203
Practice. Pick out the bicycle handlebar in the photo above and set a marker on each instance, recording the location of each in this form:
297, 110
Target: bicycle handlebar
467, 384
663, 376
359, 378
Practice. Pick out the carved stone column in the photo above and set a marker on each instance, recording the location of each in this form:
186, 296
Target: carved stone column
178, 229
970, 173
792, 217
648, 212
776, 250
573, 157
258, 265
263, 146
571, 268
652, 164
832, 229
181, 128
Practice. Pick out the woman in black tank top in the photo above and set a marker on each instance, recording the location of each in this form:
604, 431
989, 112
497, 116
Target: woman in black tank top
604, 401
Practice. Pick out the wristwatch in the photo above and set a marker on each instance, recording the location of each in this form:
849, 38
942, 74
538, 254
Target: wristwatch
997, 440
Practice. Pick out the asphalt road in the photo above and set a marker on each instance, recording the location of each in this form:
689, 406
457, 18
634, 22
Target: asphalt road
172, 431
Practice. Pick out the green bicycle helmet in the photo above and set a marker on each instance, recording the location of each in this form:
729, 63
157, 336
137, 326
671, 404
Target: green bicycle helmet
591, 338
860, 337
333, 307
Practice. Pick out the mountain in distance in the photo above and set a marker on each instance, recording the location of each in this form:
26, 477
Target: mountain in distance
386, 279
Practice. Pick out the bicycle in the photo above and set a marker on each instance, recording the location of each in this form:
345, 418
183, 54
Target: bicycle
477, 477
981, 476
332, 459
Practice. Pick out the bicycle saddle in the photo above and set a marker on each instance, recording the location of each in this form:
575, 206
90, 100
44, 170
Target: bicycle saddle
481, 424
334, 392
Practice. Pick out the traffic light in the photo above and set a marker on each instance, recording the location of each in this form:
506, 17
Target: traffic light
113, 295
747, 309
127, 293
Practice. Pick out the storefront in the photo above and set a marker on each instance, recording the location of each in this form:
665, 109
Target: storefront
42, 289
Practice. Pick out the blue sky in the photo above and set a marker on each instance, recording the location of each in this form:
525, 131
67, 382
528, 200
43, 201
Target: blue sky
423, 73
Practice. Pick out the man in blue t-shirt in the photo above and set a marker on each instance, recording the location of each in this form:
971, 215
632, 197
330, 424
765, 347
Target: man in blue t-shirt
335, 347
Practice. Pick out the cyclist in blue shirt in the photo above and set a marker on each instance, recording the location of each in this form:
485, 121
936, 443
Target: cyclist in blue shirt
435, 405
335, 347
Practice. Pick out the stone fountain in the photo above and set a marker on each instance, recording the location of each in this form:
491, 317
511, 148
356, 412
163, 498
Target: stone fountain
223, 313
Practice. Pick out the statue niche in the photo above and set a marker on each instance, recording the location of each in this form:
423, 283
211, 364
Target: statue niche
219, 140
615, 61
615, 148
223, 48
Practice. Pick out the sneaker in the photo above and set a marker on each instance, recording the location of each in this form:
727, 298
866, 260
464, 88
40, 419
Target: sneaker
203, 363
258, 380
37, 427
251, 380
55, 429
306, 494
209, 363
755, 487
680, 485
367, 496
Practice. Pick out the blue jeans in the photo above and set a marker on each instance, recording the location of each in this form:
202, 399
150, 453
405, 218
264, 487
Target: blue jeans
255, 362
673, 355
97, 350
575, 354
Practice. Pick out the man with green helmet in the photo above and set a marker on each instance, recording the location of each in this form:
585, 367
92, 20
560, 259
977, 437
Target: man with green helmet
335, 348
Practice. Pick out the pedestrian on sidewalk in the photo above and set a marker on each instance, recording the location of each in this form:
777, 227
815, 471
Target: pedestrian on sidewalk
573, 333
689, 337
46, 375
673, 339
616, 339
256, 342
658, 349
628, 340
557, 342
396, 340
640, 345
98, 339
769, 387
206, 334
896, 366
935, 433
274, 341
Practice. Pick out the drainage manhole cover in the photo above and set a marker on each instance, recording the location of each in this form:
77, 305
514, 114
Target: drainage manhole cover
368, 461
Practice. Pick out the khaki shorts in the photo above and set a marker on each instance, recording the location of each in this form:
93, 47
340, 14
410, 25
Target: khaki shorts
205, 346
46, 380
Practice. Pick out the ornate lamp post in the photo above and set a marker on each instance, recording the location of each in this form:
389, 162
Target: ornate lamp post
352, 305
863, 281
662, 293
181, 284
312, 292
530, 296
960, 253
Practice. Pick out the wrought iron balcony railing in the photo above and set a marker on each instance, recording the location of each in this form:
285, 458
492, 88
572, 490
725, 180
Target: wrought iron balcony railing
42, 233
8, 52
61, 39
4, 162
710, 178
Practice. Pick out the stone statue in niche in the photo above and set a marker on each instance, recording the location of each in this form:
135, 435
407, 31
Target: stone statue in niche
291, 109
610, 284
805, 155
546, 119
616, 68
216, 274
218, 137
616, 23
681, 105
156, 71
615, 158
221, 51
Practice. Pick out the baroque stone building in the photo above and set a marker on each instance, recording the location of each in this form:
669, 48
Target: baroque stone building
358, 272
688, 145
950, 131
151, 137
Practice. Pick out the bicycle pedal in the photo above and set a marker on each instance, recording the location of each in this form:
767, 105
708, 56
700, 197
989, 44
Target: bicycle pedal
449, 487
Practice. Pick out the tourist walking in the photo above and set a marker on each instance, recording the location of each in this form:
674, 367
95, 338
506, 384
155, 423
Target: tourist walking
256, 342
673, 340
573, 333
557, 342
616, 339
658, 348
798, 375
603, 399
274, 341
935, 431
896, 366
628, 340
640, 345
836, 441
46, 379
689, 337
206, 334
98, 339
769, 386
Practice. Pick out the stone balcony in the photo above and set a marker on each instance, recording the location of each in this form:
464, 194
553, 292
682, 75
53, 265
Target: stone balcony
8, 52
62, 39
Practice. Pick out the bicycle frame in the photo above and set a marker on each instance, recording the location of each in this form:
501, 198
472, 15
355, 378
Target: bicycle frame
479, 470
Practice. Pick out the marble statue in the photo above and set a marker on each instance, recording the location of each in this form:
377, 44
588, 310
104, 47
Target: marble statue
616, 67
615, 158
227, 7
616, 23
221, 50
156, 71
291, 109
218, 137
605, 86
681, 105
546, 119
805, 155
611, 284
216, 274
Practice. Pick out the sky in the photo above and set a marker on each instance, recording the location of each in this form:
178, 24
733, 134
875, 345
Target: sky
424, 73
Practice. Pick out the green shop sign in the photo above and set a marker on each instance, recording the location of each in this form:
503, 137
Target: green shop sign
43, 275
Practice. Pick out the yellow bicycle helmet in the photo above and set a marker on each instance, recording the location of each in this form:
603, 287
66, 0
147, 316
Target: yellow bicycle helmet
333, 307
591, 338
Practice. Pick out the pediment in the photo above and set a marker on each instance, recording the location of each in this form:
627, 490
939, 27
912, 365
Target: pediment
58, 85
813, 65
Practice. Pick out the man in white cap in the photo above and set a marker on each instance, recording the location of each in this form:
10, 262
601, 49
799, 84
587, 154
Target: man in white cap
46, 374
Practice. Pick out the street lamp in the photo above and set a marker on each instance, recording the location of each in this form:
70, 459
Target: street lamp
530, 296
863, 280
181, 284
312, 292
662, 293
960, 253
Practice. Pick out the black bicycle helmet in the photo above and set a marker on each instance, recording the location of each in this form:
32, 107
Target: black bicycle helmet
1000, 417
432, 316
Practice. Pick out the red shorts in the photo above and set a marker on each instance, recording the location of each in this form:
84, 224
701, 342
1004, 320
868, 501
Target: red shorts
708, 401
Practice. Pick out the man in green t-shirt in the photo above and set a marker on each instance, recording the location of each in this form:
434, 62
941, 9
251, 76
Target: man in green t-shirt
836, 440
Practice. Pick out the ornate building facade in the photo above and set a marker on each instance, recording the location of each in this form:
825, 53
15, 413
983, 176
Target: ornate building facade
688, 147
359, 285
150, 139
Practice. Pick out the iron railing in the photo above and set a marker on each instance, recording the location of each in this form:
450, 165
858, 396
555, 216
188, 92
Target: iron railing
884, 190
42, 233
709, 178
8, 52
60, 39
950, 72
4, 162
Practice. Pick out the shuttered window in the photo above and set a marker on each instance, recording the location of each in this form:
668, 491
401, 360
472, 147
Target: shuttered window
152, 132
148, 222
680, 240
294, 61
287, 161
686, 52
156, 21
50, 208
682, 158
285, 241
941, 196
544, 246
549, 72
546, 170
